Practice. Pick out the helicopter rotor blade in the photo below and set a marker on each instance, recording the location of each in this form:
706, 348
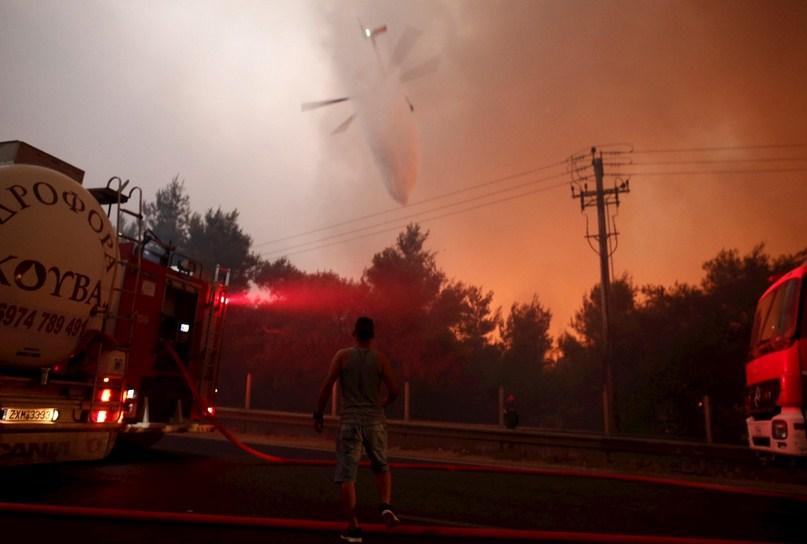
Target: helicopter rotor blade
308, 106
422, 69
343, 126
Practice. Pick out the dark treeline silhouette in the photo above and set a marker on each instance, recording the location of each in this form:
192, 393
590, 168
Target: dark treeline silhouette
214, 238
437, 332
671, 344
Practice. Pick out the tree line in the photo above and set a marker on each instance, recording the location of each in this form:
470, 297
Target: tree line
671, 345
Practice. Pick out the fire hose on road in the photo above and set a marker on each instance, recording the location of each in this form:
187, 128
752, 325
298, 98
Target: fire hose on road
309, 525
202, 403
406, 529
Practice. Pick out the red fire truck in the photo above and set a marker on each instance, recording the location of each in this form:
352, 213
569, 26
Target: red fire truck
91, 307
776, 372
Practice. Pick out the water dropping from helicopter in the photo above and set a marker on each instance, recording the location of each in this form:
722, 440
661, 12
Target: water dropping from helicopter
385, 115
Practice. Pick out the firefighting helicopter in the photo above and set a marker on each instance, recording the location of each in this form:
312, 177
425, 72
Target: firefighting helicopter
385, 114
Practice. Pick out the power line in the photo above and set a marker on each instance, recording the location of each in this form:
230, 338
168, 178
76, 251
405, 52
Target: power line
708, 172
415, 215
426, 220
707, 149
335, 239
413, 204
717, 161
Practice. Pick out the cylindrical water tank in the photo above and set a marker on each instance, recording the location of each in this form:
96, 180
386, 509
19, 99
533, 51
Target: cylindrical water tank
58, 262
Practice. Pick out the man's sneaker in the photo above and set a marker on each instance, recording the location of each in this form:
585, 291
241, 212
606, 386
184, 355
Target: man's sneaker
354, 536
388, 515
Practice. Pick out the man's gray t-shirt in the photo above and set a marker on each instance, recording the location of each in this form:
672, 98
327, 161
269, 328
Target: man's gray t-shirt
360, 381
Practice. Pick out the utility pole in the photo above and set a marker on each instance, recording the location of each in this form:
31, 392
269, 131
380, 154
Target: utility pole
601, 198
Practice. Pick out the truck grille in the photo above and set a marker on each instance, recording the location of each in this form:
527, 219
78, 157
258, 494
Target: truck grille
760, 399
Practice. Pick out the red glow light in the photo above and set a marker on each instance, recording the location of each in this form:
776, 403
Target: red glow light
238, 299
291, 296
99, 416
106, 395
255, 298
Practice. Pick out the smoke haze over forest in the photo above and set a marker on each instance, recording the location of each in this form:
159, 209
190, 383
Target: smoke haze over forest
212, 91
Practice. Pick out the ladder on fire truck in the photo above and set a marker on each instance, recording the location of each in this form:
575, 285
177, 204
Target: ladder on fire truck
127, 204
115, 195
212, 356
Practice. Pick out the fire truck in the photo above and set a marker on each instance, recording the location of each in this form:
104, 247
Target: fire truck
95, 315
776, 371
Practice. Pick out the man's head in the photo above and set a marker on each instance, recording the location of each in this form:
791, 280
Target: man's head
364, 331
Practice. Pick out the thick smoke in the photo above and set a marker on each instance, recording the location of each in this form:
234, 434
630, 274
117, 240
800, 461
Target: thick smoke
526, 83
214, 94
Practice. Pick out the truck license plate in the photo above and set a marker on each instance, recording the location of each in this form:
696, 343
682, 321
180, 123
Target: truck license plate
27, 415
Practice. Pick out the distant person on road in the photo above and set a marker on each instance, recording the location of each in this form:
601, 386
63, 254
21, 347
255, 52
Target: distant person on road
510, 412
361, 371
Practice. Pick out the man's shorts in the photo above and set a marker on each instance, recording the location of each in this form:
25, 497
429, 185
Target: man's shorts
352, 436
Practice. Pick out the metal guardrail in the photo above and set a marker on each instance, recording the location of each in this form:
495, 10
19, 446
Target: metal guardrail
587, 448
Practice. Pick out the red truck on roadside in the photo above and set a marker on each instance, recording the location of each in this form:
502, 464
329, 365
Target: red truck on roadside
90, 303
776, 370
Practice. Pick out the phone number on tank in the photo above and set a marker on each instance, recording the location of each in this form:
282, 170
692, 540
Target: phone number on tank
19, 317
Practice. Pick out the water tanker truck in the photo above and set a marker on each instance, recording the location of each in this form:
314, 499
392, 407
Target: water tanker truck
90, 319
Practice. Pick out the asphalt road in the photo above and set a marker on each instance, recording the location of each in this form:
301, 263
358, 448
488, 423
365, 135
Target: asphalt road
211, 477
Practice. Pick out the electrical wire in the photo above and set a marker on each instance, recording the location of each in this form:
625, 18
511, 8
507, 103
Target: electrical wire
428, 219
337, 238
706, 149
415, 215
711, 172
413, 204
717, 161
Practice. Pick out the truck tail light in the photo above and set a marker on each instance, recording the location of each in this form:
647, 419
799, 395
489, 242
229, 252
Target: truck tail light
779, 429
108, 400
211, 410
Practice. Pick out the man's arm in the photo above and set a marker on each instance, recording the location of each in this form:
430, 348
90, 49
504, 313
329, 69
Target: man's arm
325, 390
389, 379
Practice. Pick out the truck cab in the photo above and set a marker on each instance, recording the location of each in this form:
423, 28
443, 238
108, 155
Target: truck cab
776, 370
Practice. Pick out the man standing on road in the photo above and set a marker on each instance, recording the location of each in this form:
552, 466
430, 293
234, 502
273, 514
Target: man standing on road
361, 370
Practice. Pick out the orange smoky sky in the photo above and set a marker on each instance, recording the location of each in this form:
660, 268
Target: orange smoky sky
212, 91
524, 84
